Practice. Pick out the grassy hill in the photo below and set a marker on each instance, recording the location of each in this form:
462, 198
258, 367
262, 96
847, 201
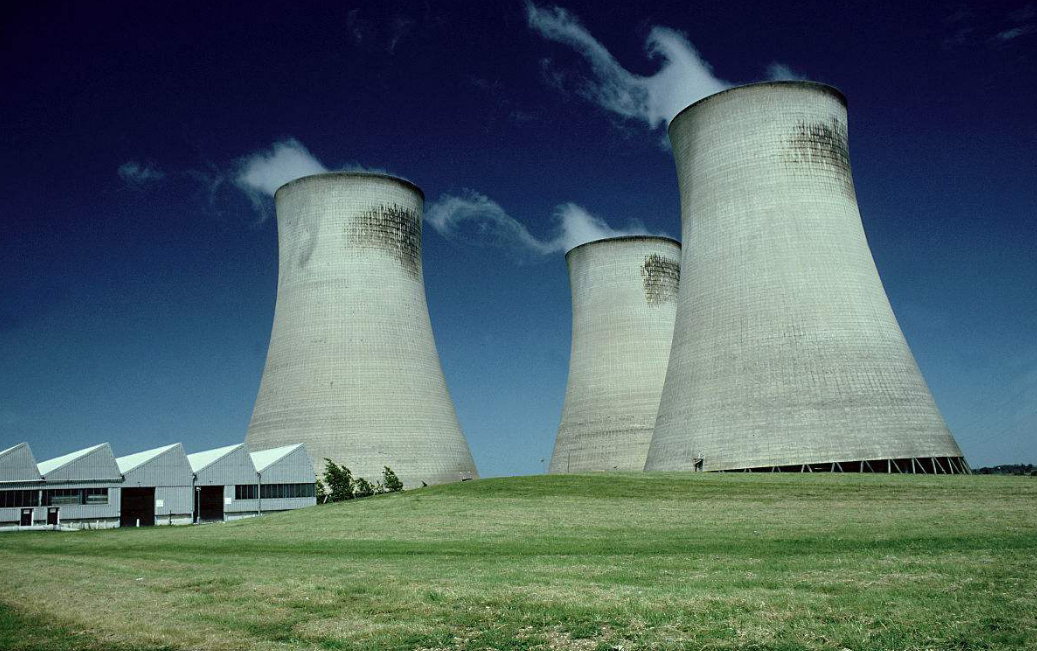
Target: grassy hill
625, 561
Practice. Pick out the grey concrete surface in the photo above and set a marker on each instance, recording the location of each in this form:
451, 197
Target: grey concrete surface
785, 349
352, 370
624, 297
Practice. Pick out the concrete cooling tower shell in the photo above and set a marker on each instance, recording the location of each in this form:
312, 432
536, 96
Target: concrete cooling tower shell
352, 369
624, 293
786, 354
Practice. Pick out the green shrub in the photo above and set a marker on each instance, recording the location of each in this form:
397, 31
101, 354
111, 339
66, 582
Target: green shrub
391, 481
339, 482
362, 488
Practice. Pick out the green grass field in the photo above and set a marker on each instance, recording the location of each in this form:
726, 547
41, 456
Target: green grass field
563, 562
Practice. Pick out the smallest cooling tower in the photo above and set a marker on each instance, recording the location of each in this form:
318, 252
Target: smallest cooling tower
624, 294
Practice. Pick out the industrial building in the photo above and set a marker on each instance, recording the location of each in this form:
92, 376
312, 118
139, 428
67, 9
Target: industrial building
786, 354
90, 488
624, 299
157, 487
285, 478
352, 369
81, 487
218, 473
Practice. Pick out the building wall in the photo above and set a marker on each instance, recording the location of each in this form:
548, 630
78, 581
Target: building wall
171, 476
785, 348
174, 504
624, 297
352, 370
296, 467
288, 503
170, 468
237, 507
69, 512
18, 464
98, 465
229, 470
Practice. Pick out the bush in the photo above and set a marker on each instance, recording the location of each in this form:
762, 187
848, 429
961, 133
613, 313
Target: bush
362, 488
391, 481
339, 482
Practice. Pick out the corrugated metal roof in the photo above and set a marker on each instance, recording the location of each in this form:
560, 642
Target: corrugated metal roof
131, 461
200, 460
265, 458
50, 465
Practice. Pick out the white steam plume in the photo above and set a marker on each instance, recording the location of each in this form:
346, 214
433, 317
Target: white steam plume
683, 78
475, 218
139, 175
263, 172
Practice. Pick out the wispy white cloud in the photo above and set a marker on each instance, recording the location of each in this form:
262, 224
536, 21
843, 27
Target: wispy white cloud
379, 33
781, 72
684, 76
1000, 30
476, 219
139, 174
1024, 13
262, 172
1015, 32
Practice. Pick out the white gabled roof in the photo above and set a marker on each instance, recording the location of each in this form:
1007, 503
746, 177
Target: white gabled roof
131, 461
50, 465
201, 460
266, 458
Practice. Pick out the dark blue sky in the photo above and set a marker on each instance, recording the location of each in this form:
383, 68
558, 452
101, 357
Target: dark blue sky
135, 308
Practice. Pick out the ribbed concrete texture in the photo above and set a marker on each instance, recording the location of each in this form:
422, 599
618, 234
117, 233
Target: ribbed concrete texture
785, 349
624, 297
352, 370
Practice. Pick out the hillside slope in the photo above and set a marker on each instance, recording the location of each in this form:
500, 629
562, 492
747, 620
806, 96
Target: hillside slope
557, 562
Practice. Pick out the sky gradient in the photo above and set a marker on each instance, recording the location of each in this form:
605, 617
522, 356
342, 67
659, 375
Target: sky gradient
137, 278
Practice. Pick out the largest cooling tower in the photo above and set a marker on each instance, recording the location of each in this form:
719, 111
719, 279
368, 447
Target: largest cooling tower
352, 369
786, 353
624, 294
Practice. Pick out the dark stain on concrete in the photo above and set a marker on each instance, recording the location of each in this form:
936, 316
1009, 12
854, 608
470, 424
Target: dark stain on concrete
823, 145
661, 277
392, 229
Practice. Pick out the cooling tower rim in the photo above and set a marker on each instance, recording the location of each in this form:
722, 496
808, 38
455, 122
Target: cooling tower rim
618, 238
376, 175
815, 85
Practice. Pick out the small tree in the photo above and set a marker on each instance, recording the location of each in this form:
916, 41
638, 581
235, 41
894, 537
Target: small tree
339, 481
362, 488
322, 492
391, 481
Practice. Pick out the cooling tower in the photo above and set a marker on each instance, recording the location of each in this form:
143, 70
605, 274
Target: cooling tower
352, 369
786, 354
624, 294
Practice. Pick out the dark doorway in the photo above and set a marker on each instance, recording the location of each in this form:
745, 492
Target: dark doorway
210, 503
52, 515
137, 504
26, 520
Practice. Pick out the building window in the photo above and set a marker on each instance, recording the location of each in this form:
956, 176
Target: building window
10, 499
245, 492
95, 496
283, 491
62, 496
75, 496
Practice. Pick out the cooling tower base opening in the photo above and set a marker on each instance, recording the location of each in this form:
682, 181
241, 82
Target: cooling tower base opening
908, 466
